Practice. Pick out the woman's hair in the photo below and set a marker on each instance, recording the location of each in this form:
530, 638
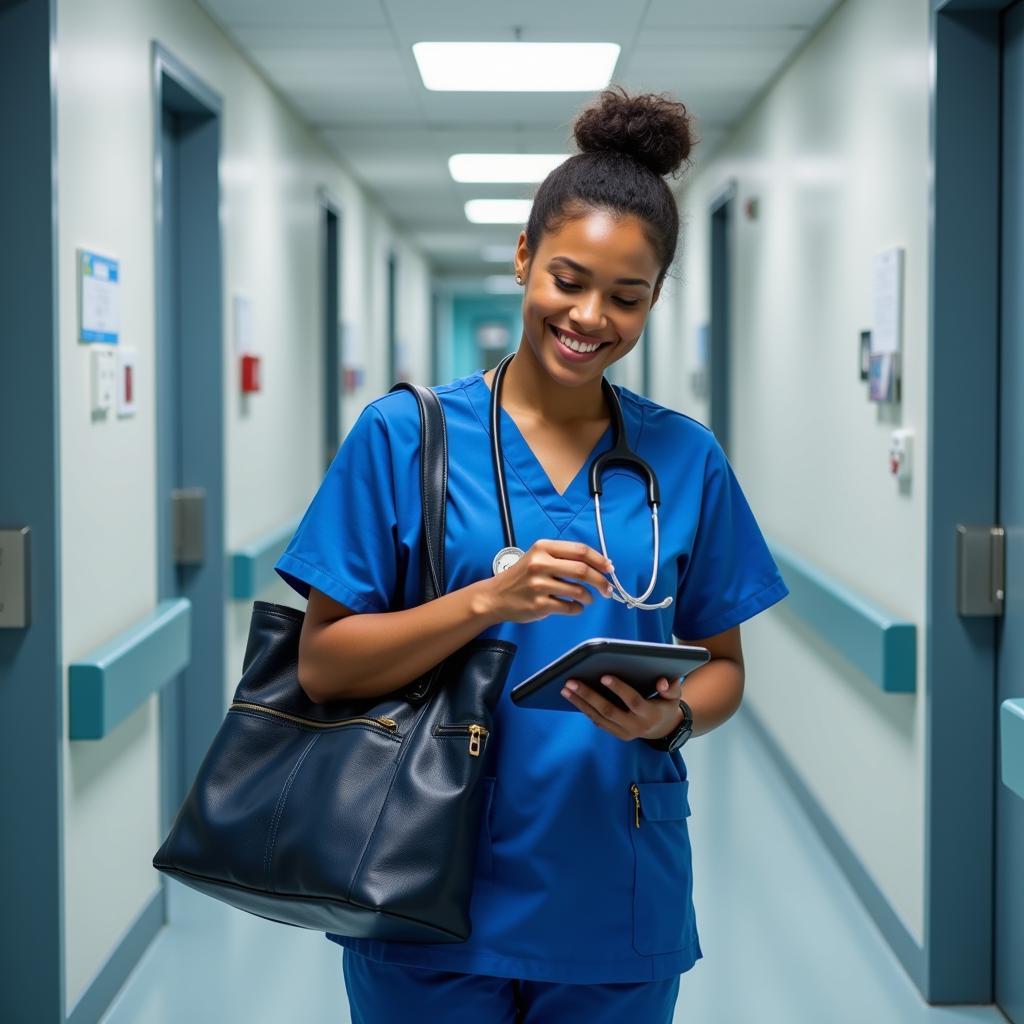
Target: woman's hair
627, 144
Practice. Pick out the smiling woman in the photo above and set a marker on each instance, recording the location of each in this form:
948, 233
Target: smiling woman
582, 892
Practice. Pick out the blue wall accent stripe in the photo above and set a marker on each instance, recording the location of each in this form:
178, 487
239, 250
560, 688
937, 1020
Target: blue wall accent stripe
252, 567
903, 944
96, 999
1011, 741
880, 645
109, 683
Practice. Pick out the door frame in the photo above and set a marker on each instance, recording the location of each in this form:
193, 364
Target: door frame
32, 722
189, 719
391, 313
329, 207
722, 213
960, 654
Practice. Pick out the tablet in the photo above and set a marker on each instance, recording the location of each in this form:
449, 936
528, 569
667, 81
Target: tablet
637, 662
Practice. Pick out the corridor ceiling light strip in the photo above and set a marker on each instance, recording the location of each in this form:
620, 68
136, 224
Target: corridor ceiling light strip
515, 67
498, 211
503, 167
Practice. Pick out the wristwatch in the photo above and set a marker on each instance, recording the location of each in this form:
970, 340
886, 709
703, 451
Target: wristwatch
675, 739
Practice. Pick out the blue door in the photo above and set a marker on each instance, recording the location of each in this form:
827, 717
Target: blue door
1009, 860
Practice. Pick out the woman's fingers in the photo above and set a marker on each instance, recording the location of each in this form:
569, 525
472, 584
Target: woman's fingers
640, 715
600, 711
670, 690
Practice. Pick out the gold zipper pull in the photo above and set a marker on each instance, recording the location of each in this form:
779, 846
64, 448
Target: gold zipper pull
635, 790
388, 723
474, 740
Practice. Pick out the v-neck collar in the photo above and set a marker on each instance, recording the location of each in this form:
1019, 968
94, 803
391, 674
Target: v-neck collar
519, 457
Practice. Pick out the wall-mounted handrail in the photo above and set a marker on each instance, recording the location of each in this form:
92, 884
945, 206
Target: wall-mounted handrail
109, 683
882, 646
1011, 743
252, 567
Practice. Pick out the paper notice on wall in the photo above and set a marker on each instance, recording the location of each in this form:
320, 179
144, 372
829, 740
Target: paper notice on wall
352, 357
245, 344
887, 302
99, 298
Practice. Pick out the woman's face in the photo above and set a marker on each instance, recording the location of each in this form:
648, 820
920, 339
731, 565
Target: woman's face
593, 281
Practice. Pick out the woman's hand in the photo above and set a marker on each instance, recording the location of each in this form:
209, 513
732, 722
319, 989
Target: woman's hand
643, 719
552, 578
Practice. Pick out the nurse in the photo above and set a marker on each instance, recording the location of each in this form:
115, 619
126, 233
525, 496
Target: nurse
581, 904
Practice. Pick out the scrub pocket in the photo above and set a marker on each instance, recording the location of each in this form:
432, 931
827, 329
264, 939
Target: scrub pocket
484, 858
662, 880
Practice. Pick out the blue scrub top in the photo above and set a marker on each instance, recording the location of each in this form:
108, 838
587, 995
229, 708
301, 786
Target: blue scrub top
567, 888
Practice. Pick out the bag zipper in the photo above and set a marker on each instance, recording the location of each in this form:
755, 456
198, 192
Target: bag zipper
380, 721
635, 790
476, 733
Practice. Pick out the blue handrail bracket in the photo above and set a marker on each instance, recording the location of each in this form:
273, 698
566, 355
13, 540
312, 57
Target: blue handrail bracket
112, 681
881, 646
1011, 742
252, 567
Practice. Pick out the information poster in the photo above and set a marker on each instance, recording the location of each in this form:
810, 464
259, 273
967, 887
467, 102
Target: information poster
99, 298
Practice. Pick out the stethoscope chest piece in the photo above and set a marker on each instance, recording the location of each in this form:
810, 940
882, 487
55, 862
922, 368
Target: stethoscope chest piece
506, 558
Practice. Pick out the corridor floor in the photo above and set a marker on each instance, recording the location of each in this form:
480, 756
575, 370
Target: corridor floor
785, 940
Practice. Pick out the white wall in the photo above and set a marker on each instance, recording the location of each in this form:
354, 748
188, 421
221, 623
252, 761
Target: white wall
836, 153
271, 168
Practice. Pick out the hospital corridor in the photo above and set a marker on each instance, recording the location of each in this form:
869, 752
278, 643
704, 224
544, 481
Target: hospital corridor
512, 513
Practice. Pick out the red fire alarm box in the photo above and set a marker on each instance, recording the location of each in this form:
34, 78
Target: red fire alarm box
250, 374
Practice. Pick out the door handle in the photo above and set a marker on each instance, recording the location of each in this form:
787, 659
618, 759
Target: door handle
981, 570
188, 505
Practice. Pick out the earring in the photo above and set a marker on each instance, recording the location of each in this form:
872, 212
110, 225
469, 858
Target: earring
519, 280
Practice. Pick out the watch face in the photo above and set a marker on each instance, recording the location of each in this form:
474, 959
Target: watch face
679, 739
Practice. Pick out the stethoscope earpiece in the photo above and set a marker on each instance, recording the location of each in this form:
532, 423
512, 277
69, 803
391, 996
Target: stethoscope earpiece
620, 454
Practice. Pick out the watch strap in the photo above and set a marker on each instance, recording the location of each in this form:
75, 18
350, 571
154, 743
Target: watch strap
685, 726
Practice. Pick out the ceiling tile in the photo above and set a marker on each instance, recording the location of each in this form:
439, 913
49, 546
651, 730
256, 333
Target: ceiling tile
237, 13
738, 14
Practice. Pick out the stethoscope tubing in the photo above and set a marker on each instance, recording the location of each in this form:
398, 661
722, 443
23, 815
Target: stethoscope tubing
620, 454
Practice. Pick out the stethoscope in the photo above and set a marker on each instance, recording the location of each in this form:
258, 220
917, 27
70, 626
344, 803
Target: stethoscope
619, 455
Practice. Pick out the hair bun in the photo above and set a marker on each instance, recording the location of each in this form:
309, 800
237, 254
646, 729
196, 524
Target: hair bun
653, 129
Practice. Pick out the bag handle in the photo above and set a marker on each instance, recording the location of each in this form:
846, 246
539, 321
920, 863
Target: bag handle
433, 484
433, 491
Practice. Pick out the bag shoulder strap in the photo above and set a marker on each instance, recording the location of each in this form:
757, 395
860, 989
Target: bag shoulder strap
433, 485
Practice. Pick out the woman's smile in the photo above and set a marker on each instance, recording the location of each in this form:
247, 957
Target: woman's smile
576, 347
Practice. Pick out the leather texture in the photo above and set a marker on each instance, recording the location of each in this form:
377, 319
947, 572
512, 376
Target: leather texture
322, 815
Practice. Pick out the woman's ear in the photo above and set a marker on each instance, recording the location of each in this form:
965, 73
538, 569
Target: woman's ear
522, 257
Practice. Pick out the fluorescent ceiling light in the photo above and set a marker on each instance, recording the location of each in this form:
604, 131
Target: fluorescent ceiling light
498, 211
498, 254
500, 284
500, 167
516, 67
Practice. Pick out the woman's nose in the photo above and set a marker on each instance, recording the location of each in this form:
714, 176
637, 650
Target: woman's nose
588, 312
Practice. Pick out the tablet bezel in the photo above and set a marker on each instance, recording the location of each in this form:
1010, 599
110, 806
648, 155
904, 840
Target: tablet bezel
572, 663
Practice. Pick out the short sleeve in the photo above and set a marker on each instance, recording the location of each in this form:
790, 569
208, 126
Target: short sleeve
347, 542
730, 574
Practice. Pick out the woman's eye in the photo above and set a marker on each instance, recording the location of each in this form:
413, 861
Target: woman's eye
568, 286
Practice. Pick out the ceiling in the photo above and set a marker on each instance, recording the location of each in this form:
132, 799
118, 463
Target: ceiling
346, 67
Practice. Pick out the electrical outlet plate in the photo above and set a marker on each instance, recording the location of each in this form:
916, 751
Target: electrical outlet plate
104, 377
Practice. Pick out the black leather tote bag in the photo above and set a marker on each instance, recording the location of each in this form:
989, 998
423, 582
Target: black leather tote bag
358, 818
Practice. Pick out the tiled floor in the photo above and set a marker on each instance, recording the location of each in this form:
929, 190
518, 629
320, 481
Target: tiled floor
785, 940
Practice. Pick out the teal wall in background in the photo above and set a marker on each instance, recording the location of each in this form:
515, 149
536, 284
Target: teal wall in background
468, 311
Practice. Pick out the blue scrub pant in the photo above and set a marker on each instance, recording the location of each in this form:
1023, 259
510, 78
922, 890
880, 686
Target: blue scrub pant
394, 994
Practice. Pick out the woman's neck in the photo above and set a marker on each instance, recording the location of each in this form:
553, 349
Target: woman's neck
527, 387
